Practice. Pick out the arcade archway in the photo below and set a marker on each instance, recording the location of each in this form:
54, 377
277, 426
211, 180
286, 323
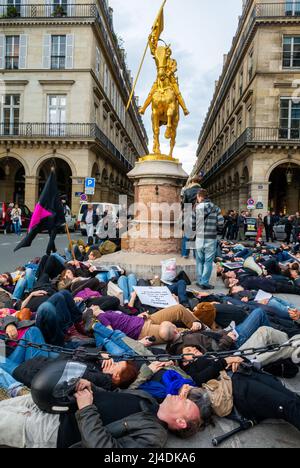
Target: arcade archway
284, 191
63, 174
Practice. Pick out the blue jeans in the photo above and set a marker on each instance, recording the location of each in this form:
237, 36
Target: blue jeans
56, 316
22, 354
127, 283
17, 228
184, 250
25, 284
256, 319
8, 382
179, 289
61, 259
281, 307
205, 258
112, 340
107, 276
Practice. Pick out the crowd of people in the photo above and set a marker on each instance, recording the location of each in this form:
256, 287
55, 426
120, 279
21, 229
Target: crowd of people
86, 363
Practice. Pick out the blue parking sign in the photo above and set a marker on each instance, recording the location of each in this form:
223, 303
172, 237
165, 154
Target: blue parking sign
90, 183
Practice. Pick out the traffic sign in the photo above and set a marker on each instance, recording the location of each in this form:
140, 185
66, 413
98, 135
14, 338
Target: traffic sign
251, 202
90, 182
90, 185
83, 197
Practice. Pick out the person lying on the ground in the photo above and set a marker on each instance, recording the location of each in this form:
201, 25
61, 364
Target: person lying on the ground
127, 419
107, 374
145, 325
257, 396
209, 341
267, 284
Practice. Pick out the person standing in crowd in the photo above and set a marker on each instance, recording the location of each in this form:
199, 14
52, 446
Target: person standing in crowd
296, 227
8, 222
207, 220
289, 229
16, 214
242, 226
260, 228
90, 218
269, 226
189, 197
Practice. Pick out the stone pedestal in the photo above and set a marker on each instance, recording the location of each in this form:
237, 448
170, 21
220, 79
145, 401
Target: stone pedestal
156, 229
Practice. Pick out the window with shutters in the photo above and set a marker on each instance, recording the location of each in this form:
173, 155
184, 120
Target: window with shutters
10, 114
291, 52
57, 106
12, 52
58, 52
289, 119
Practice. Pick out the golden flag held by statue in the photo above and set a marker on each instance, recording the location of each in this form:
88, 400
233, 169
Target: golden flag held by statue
157, 29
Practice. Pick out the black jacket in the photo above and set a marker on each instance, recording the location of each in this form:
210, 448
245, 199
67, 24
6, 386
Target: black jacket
190, 194
140, 430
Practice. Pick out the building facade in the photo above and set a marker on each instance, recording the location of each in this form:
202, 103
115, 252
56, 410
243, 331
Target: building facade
64, 86
249, 145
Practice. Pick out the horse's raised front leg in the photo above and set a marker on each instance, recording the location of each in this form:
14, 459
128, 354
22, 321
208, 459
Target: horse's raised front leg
155, 126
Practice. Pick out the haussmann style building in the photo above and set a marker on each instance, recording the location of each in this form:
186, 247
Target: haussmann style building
64, 86
249, 145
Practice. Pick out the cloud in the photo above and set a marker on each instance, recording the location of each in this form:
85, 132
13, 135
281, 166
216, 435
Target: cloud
200, 32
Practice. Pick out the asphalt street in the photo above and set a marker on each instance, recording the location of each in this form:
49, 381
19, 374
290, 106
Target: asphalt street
9, 259
271, 434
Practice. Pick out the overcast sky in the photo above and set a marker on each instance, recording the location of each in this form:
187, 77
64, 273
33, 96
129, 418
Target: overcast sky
200, 32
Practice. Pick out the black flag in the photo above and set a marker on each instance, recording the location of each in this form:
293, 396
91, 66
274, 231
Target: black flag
48, 213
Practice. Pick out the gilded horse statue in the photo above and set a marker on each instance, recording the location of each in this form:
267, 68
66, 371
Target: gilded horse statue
165, 97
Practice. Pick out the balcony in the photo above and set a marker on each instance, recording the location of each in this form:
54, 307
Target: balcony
47, 12
61, 133
288, 11
277, 10
42, 11
255, 136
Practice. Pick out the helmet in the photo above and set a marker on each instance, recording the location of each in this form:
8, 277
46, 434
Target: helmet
54, 386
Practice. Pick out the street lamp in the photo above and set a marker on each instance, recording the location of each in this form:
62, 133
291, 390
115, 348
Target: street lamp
289, 175
7, 166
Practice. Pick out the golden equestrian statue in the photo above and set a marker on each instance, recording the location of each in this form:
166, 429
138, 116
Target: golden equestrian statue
165, 96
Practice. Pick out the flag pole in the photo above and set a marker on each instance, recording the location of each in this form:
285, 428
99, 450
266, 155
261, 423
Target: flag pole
143, 59
70, 241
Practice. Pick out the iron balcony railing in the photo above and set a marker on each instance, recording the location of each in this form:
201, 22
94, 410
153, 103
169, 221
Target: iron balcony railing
77, 131
272, 10
83, 11
255, 136
48, 11
260, 11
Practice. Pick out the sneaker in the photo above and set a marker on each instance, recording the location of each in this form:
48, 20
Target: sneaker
207, 287
3, 394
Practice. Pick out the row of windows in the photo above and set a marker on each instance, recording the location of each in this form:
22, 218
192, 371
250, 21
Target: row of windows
289, 129
291, 59
56, 119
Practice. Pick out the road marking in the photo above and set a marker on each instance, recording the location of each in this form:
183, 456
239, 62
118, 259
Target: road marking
6, 243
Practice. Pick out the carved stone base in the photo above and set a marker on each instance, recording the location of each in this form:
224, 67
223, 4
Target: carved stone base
157, 225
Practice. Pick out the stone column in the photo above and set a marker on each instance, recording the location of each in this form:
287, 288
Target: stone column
260, 193
31, 191
243, 197
235, 199
157, 225
77, 186
292, 197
